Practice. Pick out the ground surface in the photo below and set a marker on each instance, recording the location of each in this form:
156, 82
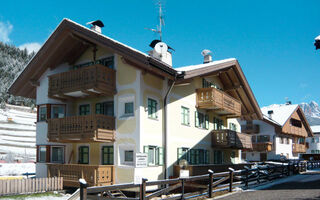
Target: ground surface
304, 186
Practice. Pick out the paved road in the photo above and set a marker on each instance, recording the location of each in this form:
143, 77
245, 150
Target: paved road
304, 186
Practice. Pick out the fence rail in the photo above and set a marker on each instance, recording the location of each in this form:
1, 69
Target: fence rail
206, 185
25, 186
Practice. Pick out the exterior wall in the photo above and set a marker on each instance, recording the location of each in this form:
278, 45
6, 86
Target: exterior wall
314, 146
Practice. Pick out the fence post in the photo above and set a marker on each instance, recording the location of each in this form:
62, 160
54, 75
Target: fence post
288, 172
258, 175
182, 188
83, 189
268, 174
143, 189
247, 176
210, 183
231, 172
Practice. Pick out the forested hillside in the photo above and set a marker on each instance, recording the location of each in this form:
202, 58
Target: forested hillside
12, 62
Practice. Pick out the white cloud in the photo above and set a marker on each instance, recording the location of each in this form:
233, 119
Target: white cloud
33, 46
5, 30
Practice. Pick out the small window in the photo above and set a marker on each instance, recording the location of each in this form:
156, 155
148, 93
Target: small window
84, 109
42, 154
84, 155
183, 154
57, 111
107, 155
155, 155
152, 108
42, 113
201, 120
105, 108
128, 156
232, 126
217, 124
313, 140
128, 108
185, 116
57, 154
263, 138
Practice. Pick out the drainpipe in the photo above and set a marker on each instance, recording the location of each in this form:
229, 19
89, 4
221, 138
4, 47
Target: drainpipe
165, 135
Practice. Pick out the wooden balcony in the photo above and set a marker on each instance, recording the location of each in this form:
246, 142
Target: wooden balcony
212, 98
95, 175
88, 128
250, 128
299, 148
262, 146
93, 80
230, 139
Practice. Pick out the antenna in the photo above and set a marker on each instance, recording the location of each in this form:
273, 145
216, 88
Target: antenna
161, 22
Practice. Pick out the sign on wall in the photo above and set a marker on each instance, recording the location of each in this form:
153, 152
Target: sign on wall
141, 160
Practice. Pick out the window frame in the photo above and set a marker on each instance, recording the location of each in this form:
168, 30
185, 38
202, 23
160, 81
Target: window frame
43, 107
185, 116
87, 112
201, 120
63, 154
125, 109
39, 154
59, 106
152, 108
81, 155
110, 155
125, 153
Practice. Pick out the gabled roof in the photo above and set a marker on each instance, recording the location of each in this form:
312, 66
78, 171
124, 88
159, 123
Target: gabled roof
234, 81
68, 41
282, 113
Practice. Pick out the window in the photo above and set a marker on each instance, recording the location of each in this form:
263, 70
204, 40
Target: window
295, 122
217, 124
57, 111
128, 156
198, 156
108, 62
42, 113
218, 157
185, 119
183, 154
105, 108
300, 140
155, 155
42, 154
107, 155
263, 138
84, 155
232, 126
152, 108
128, 109
312, 140
84, 109
288, 141
57, 154
317, 140
201, 120
281, 140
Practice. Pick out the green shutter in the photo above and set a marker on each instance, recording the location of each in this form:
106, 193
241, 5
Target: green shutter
179, 154
207, 121
206, 157
160, 156
146, 149
192, 156
196, 119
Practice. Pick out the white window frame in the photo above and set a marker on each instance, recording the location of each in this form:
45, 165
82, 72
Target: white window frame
130, 98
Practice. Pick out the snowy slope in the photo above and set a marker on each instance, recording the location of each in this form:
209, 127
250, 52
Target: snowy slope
17, 133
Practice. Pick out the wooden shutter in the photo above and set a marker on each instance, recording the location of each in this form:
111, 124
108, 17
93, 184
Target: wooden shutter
207, 121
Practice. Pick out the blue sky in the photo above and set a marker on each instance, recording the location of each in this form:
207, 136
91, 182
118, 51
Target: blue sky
273, 40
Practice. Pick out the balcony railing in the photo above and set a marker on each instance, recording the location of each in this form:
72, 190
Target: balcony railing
87, 81
231, 139
88, 128
95, 175
262, 146
299, 148
212, 98
250, 128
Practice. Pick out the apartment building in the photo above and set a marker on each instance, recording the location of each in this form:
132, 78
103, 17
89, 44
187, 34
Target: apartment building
110, 114
280, 135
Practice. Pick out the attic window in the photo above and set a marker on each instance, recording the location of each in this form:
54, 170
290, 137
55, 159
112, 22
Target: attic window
295, 123
108, 62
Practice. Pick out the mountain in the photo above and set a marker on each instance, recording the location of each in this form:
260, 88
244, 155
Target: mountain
312, 112
12, 62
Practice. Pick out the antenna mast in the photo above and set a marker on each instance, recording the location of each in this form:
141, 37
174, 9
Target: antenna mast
161, 22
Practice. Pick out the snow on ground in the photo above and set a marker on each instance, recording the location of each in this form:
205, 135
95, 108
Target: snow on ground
14, 169
51, 197
17, 133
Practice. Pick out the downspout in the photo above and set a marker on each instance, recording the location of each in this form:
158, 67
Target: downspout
165, 123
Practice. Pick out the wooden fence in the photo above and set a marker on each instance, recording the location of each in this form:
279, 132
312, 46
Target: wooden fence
205, 185
25, 186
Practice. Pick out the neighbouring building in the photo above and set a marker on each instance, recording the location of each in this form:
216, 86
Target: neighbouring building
314, 142
280, 135
103, 104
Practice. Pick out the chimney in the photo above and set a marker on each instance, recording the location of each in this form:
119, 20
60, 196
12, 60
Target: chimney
270, 112
96, 25
288, 102
207, 54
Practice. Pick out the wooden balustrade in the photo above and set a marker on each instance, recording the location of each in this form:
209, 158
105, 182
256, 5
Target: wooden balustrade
87, 81
299, 148
212, 98
95, 175
231, 139
250, 128
88, 128
262, 146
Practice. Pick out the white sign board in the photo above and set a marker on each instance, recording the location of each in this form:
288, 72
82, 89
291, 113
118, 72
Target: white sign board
141, 160
184, 173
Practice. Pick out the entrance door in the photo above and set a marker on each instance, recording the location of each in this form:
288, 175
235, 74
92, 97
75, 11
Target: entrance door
263, 156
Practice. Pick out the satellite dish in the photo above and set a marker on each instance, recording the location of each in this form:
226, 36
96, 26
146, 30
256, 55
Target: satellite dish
161, 48
206, 52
